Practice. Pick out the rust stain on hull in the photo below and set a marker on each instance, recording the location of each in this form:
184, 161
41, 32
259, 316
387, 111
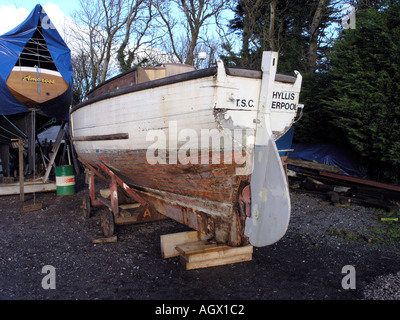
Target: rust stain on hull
204, 197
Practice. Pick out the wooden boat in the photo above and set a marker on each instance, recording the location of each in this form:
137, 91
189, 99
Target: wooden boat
33, 86
36, 71
35, 81
197, 147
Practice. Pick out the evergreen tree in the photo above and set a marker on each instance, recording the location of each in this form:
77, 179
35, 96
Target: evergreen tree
362, 99
279, 25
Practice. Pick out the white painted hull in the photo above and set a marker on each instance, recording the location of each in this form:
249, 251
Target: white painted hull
201, 104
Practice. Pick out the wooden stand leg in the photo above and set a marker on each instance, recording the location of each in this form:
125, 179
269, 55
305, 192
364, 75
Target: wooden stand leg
21, 169
114, 197
92, 194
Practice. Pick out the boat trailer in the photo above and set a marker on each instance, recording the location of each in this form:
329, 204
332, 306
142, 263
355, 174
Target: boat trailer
118, 212
195, 249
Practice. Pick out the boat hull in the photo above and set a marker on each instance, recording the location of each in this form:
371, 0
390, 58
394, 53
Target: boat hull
185, 144
33, 86
202, 197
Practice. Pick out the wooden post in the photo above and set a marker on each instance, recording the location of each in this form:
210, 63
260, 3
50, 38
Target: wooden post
114, 196
30, 121
5, 159
21, 169
54, 150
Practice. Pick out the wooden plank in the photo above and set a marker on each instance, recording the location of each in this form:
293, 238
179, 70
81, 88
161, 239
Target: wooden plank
198, 247
200, 251
170, 241
29, 187
105, 193
362, 181
313, 165
105, 202
32, 207
111, 239
116, 136
202, 254
129, 206
215, 262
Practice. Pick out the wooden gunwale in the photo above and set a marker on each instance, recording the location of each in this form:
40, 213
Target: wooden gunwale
239, 72
150, 85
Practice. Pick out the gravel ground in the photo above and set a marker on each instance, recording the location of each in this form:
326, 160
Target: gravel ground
306, 264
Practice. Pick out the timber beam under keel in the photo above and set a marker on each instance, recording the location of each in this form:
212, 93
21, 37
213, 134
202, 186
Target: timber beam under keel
196, 251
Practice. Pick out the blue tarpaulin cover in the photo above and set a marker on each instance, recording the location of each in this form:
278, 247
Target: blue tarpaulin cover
11, 45
284, 143
331, 155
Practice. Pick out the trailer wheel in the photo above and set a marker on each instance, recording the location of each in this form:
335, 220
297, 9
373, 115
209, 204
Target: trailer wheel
107, 223
86, 206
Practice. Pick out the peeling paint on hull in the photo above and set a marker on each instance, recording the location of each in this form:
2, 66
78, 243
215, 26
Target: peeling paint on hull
203, 197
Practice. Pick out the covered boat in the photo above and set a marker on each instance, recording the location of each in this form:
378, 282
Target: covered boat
198, 146
36, 68
35, 78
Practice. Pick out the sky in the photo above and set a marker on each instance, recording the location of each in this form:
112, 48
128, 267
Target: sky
13, 12
66, 6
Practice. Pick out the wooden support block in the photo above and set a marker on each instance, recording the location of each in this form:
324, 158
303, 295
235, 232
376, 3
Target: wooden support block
170, 241
105, 193
197, 251
190, 265
32, 207
129, 206
198, 247
202, 254
111, 239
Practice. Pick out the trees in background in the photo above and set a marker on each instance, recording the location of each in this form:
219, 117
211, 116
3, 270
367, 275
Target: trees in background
354, 102
365, 89
104, 29
298, 29
350, 77
114, 35
186, 23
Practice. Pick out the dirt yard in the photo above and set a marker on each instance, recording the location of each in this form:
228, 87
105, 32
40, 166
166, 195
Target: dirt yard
306, 264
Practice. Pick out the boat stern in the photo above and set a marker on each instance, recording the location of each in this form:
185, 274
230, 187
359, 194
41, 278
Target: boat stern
270, 199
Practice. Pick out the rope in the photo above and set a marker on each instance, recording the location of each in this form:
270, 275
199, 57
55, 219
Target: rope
14, 134
15, 127
34, 47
